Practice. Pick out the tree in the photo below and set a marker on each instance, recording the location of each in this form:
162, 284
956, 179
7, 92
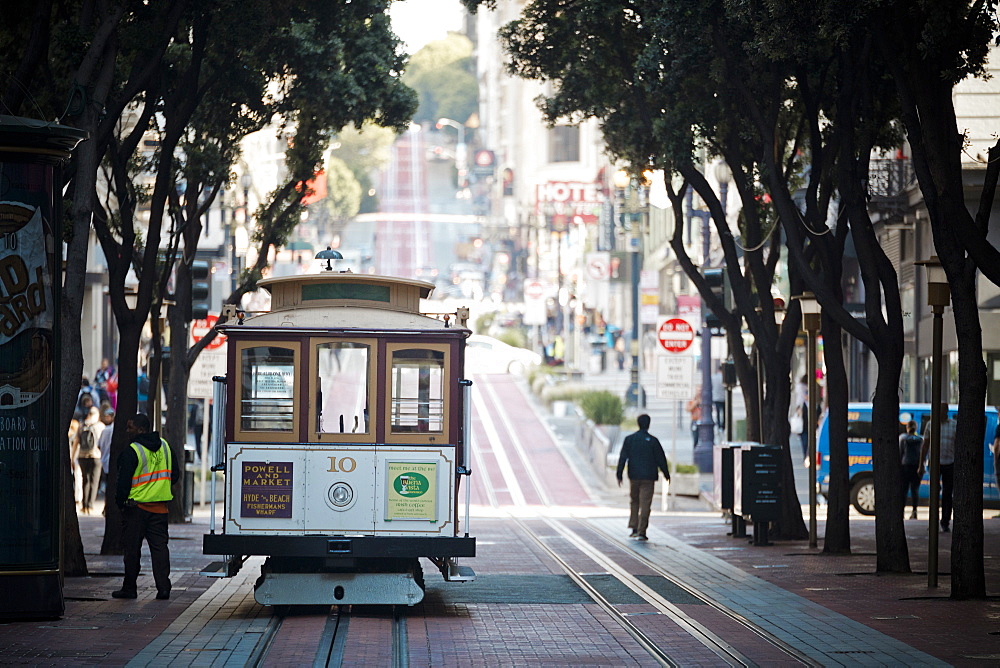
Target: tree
73, 67
928, 47
611, 64
443, 75
364, 151
343, 200
132, 67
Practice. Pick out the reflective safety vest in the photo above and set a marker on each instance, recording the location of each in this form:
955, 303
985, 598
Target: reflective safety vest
151, 481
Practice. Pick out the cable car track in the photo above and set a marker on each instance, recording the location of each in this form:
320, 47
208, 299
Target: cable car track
331, 647
726, 652
765, 635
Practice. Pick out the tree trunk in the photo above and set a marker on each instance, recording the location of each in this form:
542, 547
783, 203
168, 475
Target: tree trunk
967, 567
837, 538
175, 429
791, 526
71, 347
893, 554
128, 357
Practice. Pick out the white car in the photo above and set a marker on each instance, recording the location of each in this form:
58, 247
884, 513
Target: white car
484, 354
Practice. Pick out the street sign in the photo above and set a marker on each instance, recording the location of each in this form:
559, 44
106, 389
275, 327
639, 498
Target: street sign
208, 364
534, 289
598, 266
675, 335
674, 377
201, 328
534, 302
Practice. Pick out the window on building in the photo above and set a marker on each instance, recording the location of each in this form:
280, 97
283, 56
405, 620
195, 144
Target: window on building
564, 143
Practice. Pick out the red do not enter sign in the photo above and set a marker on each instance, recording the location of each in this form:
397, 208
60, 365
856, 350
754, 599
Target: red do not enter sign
675, 335
201, 328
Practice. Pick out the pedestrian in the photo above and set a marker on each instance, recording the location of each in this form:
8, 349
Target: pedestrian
719, 399
947, 463
909, 458
88, 458
995, 449
196, 422
694, 408
620, 351
104, 443
800, 404
86, 398
142, 390
74, 445
644, 456
145, 470
101, 377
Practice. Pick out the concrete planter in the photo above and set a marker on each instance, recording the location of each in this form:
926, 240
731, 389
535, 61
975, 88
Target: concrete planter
686, 484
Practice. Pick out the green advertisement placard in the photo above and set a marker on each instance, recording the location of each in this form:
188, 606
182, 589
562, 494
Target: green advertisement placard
411, 491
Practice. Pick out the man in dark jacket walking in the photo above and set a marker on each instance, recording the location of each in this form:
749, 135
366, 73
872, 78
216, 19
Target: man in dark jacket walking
644, 455
146, 469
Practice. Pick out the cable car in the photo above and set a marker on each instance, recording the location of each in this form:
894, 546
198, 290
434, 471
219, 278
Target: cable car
342, 429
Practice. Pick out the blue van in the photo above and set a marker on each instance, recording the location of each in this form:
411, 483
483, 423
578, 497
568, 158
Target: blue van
859, 452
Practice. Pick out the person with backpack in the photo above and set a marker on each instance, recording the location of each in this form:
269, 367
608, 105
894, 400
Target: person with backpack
88, 457
909, 453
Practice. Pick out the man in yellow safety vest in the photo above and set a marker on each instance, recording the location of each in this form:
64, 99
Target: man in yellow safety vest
145, 470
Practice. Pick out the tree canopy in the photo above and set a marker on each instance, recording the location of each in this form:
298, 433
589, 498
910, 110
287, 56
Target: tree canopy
443, 75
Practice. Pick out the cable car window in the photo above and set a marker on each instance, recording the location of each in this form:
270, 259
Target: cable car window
342, 387
267, 397
418, 390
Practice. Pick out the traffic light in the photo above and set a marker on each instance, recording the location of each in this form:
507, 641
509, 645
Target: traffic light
200, 292
716, 279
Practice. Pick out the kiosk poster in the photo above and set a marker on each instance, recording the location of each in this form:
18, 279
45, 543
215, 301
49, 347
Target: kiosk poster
28, 519
411, 492
266, 489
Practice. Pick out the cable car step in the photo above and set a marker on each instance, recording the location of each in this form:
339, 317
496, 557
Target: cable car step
458, 573
216, 569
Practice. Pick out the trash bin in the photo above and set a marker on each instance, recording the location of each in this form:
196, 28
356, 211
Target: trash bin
757, 486
598, 355
189, 471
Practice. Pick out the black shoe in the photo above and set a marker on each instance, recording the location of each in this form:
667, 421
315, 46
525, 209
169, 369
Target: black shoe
641, 536
123, 593
945, 529
163, 595
633, 534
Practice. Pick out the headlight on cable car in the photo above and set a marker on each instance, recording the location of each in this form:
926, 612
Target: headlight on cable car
341, 496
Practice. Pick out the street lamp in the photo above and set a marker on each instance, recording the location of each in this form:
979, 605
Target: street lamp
938, 297
811, 323
245, 182
460, 151
703, 453
623, 183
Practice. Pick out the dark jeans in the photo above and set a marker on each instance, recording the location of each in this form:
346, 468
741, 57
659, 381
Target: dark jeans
137, 525
90, 471
720, 414
947, 486
640, 503
911, 484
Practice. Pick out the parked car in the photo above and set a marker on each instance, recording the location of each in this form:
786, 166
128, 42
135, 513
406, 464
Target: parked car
859, 452
484, 354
